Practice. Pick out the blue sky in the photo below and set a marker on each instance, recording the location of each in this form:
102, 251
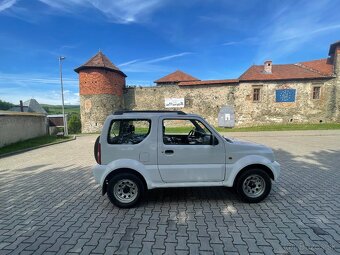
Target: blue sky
148, 39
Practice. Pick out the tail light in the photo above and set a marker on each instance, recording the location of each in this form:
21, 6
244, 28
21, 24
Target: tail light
99, 155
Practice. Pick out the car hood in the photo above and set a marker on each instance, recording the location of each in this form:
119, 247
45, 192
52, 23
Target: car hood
237, 149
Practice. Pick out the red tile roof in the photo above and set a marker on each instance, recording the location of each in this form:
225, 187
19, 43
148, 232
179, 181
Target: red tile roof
208, 82
322, 66
177, 76
306, 70
100, 61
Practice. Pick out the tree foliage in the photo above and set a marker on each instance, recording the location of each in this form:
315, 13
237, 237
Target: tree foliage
5, 105
74, 124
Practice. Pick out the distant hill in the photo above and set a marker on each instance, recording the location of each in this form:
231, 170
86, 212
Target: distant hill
56, 109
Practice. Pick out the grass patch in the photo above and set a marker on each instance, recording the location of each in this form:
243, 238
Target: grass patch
176, 130
57, 109
31, 143
283, 127
273, 127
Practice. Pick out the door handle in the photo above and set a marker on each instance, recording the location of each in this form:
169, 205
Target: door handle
169, 152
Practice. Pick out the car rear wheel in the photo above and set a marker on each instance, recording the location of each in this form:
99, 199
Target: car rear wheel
125, 190
253, 185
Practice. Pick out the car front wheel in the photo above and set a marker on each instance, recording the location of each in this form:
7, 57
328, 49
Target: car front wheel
125, 190
253, 185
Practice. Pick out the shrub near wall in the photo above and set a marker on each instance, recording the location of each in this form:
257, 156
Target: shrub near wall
74, 124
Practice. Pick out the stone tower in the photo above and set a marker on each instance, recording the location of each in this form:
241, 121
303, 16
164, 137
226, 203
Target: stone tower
101, 86
334, 102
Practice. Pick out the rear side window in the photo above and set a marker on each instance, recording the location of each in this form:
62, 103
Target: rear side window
128, 131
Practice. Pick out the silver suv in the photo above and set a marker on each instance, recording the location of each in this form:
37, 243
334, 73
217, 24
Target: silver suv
141, 150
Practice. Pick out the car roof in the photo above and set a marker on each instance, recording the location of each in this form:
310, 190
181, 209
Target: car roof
151, 113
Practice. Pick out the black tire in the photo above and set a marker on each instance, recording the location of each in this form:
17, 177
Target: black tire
133, 193
95, 149
253, 185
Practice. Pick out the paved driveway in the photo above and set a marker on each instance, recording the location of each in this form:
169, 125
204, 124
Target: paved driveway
49, 203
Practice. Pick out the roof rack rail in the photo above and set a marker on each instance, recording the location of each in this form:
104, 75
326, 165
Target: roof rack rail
147, 111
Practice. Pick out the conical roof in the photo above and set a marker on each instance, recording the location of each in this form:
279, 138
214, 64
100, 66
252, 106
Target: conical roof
34, 106
177, 76
99, 61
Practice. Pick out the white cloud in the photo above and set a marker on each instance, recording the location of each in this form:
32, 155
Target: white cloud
289, 29
248, 40
129, 62
16, 87
126, 11
156, 60
137, 65
34, 79
6, 4
118, 11
43, 97
230, 43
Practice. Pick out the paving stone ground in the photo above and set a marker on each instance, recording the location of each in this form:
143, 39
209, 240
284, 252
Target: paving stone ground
50, 203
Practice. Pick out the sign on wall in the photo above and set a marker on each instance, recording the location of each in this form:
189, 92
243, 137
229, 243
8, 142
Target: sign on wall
174, 102
226, 117
285, 95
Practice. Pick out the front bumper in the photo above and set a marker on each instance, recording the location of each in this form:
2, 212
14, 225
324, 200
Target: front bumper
276, 169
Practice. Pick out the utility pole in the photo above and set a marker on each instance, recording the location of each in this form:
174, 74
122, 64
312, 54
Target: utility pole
61, 58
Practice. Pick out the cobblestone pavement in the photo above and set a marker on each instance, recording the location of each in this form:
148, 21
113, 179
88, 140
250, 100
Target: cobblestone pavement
50, 203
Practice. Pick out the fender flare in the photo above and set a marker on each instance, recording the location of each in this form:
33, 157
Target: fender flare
234, 169
131, 164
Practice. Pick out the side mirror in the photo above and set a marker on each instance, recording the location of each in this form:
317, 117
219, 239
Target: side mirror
214, 140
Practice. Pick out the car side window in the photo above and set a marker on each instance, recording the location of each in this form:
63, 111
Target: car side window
186, 132
128, 131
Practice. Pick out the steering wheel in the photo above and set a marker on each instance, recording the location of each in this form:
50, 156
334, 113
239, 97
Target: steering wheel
200, 133
191, 135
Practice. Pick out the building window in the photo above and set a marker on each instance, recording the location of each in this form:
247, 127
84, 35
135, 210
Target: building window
316, 92
256, 94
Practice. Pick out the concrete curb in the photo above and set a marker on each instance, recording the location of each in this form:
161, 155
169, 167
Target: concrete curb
36, 147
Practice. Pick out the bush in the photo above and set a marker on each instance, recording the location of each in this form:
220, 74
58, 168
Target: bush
74, 124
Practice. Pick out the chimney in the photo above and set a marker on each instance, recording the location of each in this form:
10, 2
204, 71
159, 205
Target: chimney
21, 106
334, 56
267, 66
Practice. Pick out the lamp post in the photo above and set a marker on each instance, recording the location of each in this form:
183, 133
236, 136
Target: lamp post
61, 58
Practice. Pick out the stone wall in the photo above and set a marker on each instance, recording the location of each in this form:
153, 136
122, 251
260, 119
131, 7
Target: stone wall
203, 100
20, 126
95, 109
267, 110
208, 100
336, 88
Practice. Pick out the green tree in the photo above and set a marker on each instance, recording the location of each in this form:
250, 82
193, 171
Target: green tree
74, 124
5, 105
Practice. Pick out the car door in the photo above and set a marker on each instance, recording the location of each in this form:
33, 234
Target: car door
183, 161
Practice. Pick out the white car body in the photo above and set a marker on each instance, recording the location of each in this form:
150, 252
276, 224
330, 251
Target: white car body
187, 166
